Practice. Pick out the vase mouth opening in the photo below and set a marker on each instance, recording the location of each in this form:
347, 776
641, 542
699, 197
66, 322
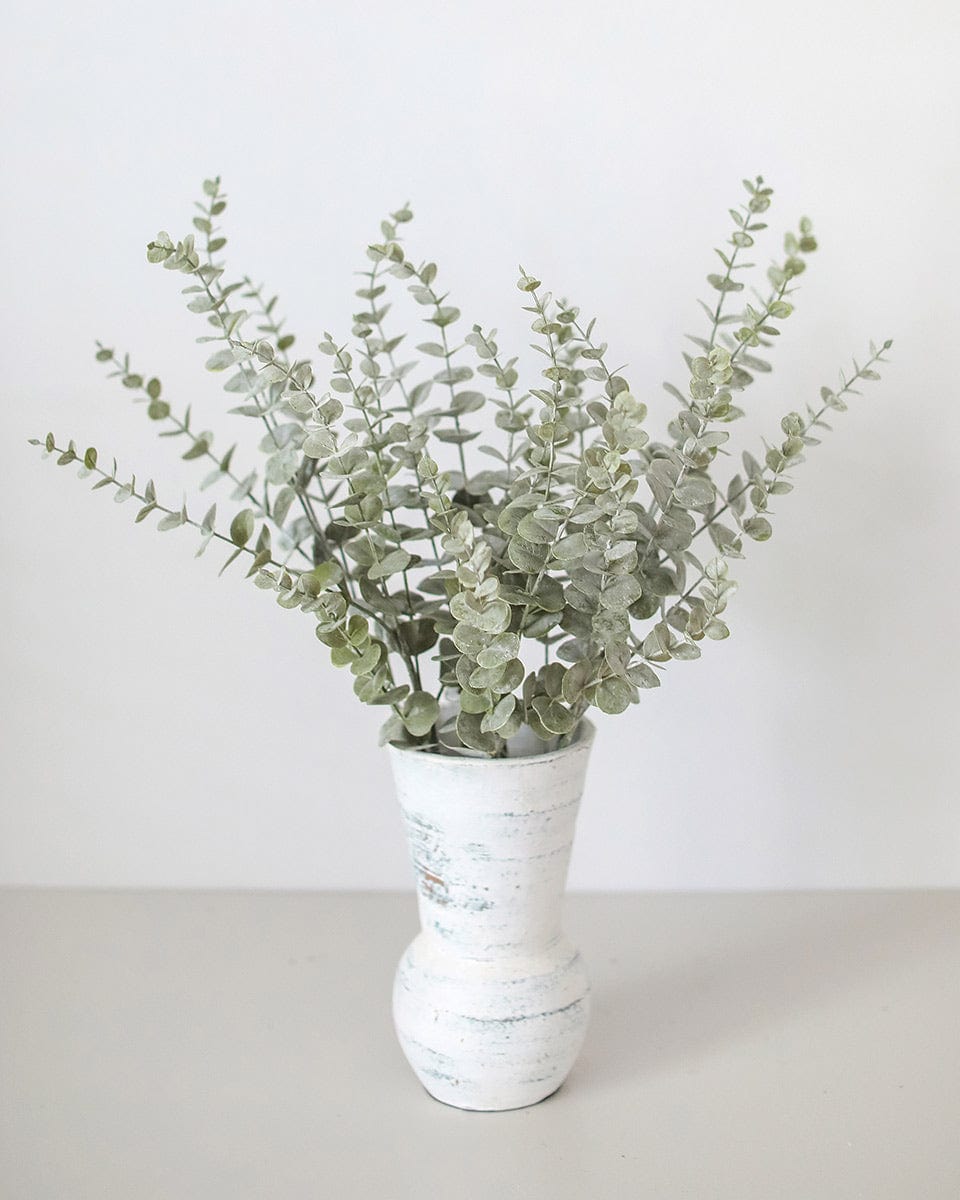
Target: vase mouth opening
581, 739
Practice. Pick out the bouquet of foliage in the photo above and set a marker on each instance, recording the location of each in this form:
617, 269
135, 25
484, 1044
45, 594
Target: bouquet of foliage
564, 569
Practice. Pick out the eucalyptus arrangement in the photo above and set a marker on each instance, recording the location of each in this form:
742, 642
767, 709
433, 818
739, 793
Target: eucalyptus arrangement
560, 558
485, 604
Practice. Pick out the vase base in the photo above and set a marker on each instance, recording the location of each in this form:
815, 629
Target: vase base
494, 1036
493, 1108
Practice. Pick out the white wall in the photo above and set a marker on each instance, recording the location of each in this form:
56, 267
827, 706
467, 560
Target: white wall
164, 727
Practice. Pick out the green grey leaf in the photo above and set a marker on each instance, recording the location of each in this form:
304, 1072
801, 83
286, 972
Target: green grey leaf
391, 564
497, 719
500, 651
695, 492
419, 713
613, 695
472, 734
759, 528
620, 593
170, 521
242, 527
642, 675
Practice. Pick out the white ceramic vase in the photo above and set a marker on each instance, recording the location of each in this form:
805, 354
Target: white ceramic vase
490, 1000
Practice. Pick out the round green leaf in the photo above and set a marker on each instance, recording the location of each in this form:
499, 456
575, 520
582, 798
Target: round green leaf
419, 713
471, 734
499, 651
759, 528
613, 695
493, 722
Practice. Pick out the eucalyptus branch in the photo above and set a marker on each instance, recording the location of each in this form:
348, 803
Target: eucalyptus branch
379, 493
159, 410
506, 374
790, 452
740, 239
710, 398
607, 474
321, 439
281, 342
271, 327
371, 293
555, 373
713, 374
170, 518
228, 322
444, 315
372, 371
510, 417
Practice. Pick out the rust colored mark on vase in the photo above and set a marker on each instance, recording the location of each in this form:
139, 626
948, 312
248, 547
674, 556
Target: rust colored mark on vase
433, 885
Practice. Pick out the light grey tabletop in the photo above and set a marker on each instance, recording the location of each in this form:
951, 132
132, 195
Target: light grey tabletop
208, 1045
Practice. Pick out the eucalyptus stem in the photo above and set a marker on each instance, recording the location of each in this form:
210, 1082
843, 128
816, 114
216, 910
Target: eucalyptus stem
200, 446
151, 504
372, 438
392, 631
218, 302
407, 402
218, 308
861, 373
556, 374
759, 201
448, 364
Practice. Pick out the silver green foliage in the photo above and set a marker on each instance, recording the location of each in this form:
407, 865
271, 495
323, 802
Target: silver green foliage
562, 572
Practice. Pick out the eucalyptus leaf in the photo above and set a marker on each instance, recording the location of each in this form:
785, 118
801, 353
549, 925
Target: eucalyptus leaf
242, 527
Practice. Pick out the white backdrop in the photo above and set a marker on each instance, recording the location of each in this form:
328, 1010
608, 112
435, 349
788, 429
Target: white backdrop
164, 727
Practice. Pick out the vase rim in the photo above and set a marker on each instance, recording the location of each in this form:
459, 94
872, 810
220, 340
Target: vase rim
583, 740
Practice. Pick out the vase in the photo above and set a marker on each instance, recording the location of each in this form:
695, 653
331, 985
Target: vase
490, 999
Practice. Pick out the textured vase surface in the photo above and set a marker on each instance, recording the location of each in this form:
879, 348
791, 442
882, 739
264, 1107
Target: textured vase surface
491, 1000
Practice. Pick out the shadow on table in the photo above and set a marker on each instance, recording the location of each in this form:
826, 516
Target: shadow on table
720, 984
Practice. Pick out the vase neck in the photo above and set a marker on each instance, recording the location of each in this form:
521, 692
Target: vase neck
490, 845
